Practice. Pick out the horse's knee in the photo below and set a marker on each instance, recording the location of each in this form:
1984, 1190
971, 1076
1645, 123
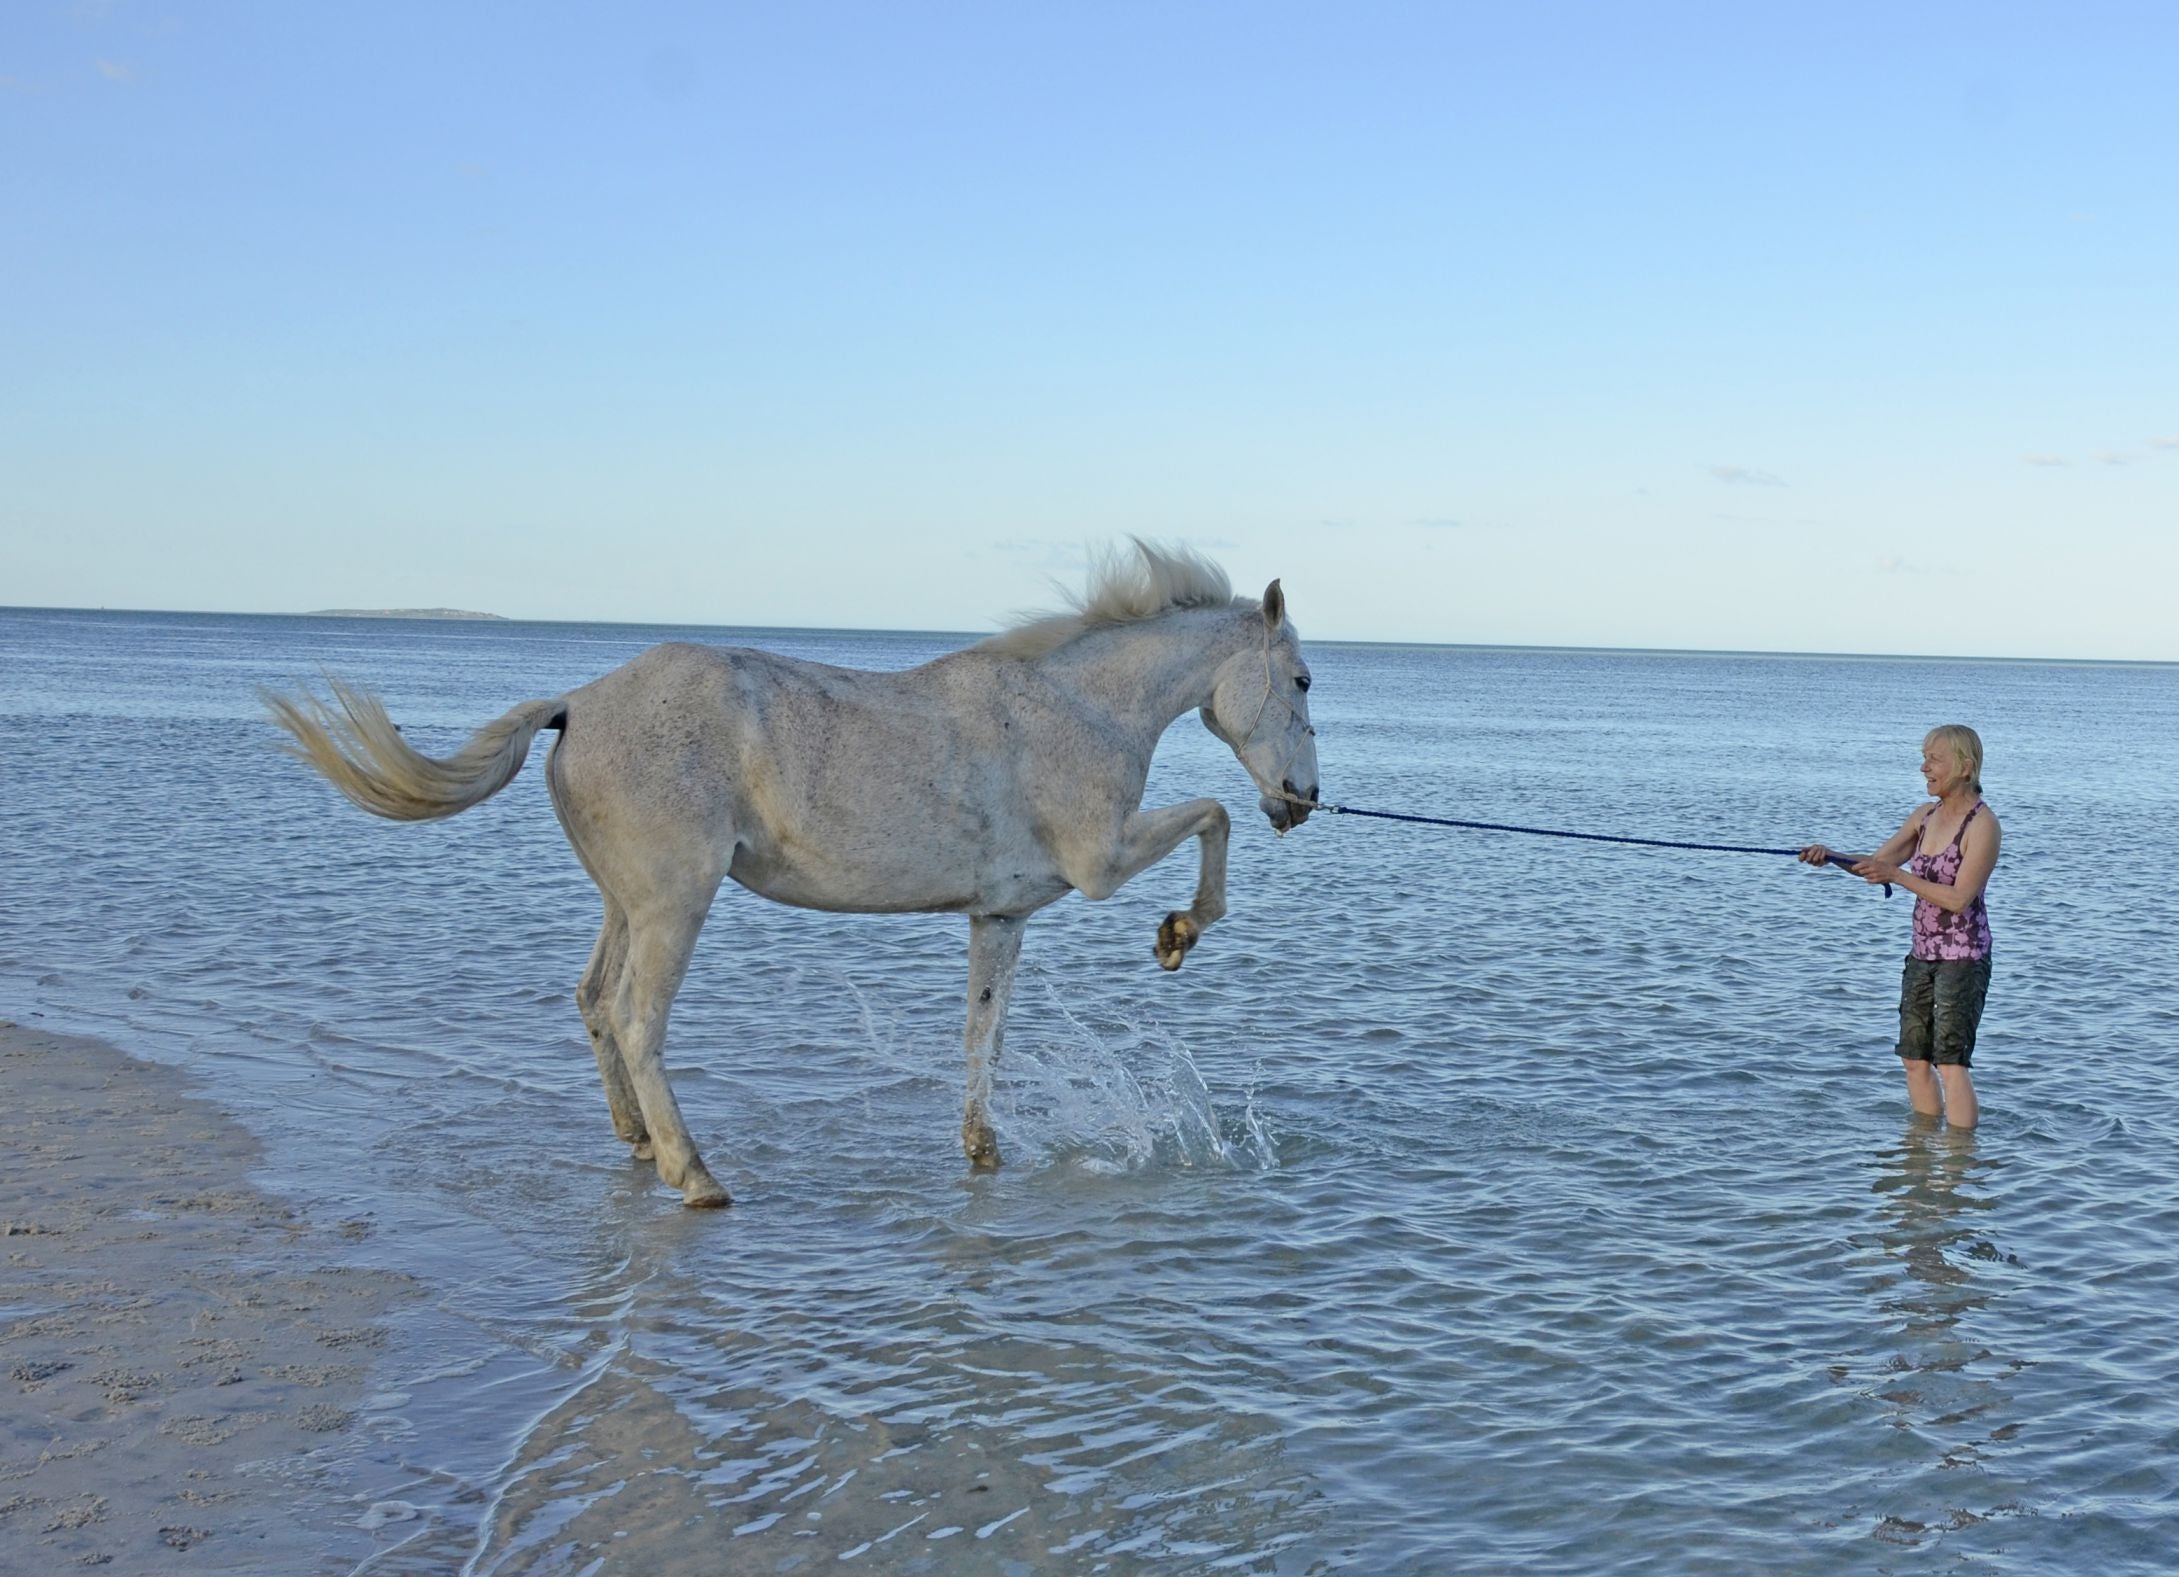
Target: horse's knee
602, 1039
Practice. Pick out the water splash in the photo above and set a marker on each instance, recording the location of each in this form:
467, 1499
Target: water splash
1117, 1096
1107, 1091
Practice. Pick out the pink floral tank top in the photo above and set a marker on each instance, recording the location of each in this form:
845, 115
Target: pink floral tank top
1939, 935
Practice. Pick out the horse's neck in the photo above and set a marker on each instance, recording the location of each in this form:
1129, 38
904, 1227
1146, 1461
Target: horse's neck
1147, 674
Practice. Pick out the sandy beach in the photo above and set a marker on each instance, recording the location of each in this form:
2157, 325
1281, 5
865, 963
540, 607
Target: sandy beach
182, 1355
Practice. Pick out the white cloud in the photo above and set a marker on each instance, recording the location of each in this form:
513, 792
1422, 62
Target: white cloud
1745, 476
1440, 523
2044, 459
2114, 457
2165, 443
117, 71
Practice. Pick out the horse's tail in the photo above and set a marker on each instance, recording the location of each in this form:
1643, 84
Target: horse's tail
361, 752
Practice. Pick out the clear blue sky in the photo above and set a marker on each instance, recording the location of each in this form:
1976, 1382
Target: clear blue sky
1606, 324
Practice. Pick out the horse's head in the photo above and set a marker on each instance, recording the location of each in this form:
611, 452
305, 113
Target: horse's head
1260, 708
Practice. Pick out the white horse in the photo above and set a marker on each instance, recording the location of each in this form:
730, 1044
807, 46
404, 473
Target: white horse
986, 783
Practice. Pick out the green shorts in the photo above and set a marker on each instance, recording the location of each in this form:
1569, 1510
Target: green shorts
1940, 1007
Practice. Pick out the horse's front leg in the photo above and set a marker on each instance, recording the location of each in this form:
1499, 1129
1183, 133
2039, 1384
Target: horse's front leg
994, 947
1146, 837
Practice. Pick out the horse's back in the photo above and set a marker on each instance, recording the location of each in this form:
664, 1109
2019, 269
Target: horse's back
827, 787
683, 726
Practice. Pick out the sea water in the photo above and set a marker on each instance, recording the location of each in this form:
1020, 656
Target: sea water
1468, 1201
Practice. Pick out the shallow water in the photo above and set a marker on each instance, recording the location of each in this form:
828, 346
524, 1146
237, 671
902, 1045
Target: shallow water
1467, 1201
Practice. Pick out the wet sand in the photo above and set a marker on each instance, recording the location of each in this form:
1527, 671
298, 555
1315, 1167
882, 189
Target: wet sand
182, 1355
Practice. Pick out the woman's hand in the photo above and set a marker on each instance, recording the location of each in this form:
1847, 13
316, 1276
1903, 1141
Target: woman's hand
1815, 854
1878, 873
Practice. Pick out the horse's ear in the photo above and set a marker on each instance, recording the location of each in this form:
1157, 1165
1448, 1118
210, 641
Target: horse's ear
1274, 606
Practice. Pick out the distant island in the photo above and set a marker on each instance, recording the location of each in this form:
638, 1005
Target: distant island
403, 613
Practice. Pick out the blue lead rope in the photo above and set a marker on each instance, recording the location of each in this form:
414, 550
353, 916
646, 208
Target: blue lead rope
1842, 861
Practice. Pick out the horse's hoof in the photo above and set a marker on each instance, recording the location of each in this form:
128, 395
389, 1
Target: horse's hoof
641, 1150
704, 1193
981, 1146
1175, 937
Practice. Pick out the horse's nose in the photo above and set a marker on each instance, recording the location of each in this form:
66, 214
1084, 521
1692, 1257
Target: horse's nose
1300, 812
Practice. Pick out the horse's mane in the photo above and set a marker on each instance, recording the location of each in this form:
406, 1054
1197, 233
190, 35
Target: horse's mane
1123, 589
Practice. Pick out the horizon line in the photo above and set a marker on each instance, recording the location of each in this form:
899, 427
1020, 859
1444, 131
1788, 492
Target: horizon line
423, 616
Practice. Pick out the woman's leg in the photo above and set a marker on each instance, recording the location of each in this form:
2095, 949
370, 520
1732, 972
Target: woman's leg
1961, 1109
1917, 1016
1957, 1014
1922, 1092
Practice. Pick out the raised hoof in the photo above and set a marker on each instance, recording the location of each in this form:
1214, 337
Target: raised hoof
1175, 937
641, 1150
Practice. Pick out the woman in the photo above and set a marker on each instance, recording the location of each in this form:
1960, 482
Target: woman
1953, 841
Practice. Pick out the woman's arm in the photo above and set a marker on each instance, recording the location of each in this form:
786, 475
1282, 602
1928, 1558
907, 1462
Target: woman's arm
1896, 847
1904, 842
1978, 858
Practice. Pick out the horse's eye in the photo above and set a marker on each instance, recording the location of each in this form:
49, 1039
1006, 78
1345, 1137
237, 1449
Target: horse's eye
1301, 681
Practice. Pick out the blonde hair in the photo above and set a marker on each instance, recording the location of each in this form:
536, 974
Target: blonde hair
1965, 745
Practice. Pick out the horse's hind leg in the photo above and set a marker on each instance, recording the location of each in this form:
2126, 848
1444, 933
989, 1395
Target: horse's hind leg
661, 935
600, 984
994, 947
599, 988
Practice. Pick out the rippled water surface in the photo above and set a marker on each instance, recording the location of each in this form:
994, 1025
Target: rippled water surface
1468, 1201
